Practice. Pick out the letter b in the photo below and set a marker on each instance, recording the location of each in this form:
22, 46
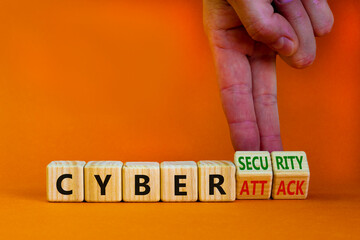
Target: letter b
142, 184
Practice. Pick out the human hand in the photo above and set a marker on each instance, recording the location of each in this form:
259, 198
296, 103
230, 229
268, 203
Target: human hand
245, 36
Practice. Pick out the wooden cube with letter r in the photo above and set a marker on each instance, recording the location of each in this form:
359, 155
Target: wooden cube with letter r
216, 181
253, 175
103, 182
65, 181
141, 182
291, 175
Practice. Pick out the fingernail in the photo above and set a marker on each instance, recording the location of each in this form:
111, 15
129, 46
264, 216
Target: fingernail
284, 46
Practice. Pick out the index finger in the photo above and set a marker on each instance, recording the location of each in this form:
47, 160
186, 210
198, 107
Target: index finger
231, 44
234, 74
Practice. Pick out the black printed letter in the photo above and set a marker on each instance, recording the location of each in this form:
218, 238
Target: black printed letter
102, 184
217, 185
143, 184
178, 185
58, 184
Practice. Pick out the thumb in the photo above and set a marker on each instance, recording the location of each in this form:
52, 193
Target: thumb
266, 26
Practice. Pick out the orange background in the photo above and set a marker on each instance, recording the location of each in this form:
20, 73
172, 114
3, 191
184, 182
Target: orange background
134, 80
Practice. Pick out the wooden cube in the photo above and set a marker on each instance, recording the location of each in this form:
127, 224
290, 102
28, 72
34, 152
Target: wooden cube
179, 181
141, 182
291, 175
216, 181
103, 182
65, 181
253, 175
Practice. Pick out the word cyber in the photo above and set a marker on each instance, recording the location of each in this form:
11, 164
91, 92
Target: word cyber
253, 175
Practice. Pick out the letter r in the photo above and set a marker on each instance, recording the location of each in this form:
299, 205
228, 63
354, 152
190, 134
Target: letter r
213, 185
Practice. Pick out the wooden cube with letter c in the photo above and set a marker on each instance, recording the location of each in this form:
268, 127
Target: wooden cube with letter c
291, 175
65, 181
216, 181
103, 182
141, 182
253, 175
179, 181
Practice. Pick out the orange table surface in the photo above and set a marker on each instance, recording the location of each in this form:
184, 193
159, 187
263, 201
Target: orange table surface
331, 212
135, 81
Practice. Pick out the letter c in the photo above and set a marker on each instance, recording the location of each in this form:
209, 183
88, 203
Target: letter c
59, 187
288, 187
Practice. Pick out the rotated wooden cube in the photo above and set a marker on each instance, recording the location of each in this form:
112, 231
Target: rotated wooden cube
216, 181
253, 175
141, 182
65, 181
103, 181
291, 175
179, 181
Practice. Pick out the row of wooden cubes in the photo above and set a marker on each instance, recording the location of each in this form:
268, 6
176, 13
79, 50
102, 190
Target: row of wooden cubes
253, 175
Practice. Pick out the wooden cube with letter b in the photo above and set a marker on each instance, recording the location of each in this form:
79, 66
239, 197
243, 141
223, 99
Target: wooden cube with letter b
291, 175
253, 175
141, 182
103, 182
216, 181
179, 181
65, 181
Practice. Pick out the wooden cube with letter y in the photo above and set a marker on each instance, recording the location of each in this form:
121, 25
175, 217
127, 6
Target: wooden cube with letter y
179, 181
103, 182
291, 175
216, 181
253, 175
141, 182
65, 181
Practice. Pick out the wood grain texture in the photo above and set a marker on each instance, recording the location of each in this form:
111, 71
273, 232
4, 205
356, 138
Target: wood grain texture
133, 169
183, 172
74, 181
109, 175
291, 175
213, 169
253, 175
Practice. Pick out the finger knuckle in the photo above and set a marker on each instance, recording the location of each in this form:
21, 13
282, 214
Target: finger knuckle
266, 99
237, 88
276, 137
258, 29
298, 16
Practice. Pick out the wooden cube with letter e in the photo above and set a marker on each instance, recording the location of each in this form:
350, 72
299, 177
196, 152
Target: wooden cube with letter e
179, 181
